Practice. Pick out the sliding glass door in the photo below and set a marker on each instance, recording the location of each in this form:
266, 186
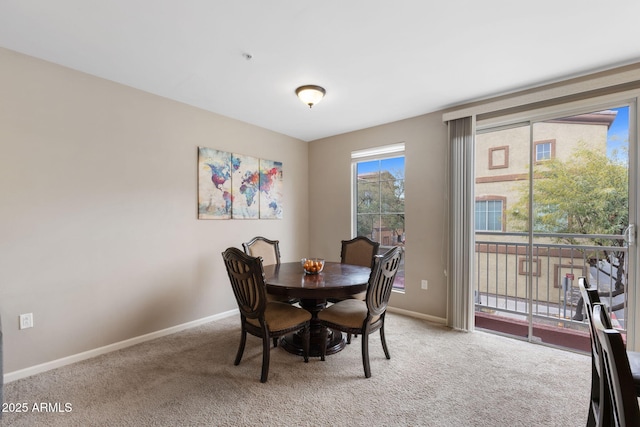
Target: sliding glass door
552, 205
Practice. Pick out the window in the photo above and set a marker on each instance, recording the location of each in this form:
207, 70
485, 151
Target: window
489, 215
378, 205
545, 150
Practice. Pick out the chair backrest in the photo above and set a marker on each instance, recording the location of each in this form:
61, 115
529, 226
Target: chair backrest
359, 251
590, 298
260, 246
381, 280
600, 402
615, 363
247, 280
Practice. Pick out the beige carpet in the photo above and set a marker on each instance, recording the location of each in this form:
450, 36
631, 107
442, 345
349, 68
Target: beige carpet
436, 377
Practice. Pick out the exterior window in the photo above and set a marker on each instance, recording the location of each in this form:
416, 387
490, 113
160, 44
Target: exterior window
379, 201
489, 215
544, 151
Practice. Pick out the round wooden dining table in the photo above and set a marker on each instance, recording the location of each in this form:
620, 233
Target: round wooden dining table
336, 280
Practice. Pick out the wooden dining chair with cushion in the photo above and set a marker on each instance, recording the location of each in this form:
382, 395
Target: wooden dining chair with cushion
365, 317
259, 317
269, 250
590, 297
599, 404
358, 251
616, 372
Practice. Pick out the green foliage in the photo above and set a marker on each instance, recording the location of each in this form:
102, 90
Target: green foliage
586, 194
380, 203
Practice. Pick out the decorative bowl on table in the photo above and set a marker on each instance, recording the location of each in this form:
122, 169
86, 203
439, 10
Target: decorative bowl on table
312, 265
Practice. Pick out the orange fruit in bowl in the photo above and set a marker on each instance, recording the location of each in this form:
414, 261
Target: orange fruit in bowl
312, 266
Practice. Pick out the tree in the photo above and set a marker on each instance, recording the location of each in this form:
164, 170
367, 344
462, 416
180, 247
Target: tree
380, 206
586, 194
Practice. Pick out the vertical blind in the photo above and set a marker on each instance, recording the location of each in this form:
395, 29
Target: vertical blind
461, 214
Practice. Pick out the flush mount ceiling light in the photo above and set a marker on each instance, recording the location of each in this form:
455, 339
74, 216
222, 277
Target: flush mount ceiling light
310, 94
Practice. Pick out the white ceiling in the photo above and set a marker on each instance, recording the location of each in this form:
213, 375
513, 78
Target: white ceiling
380, 61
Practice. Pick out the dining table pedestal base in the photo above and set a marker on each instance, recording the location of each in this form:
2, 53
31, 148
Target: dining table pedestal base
334, 343
293, 343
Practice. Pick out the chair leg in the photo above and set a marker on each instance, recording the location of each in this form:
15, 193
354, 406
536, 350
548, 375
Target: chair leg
275, 342
323, 343
605, 408
594, 399
365, 355
243, 341
591, 420
266, 351
384, 342
348, 338
305, 343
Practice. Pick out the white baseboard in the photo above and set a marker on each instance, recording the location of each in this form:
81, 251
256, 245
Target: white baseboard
37, 369
434, 319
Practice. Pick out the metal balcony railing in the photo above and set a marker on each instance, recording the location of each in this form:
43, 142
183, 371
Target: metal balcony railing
516, 278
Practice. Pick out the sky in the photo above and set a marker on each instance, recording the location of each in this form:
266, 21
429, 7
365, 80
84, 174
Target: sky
618, 135
617, 140
394, 164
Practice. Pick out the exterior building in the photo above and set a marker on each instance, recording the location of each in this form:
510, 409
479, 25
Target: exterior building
502, 177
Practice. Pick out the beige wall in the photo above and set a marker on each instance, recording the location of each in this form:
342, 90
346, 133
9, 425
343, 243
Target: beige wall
425, 139
98, 231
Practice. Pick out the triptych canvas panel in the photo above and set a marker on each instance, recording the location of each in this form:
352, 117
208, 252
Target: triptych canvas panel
236, 186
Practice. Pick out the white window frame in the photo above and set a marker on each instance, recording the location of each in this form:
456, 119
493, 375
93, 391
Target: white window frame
376, 153
486, 202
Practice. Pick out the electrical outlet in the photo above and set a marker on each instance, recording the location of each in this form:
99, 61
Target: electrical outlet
26, 321
424, 284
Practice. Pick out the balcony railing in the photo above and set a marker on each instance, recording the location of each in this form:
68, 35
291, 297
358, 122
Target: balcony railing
504, 260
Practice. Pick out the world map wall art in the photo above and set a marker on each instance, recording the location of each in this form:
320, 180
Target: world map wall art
235, 186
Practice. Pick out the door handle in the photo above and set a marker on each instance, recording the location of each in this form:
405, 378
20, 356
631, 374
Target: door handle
630, 234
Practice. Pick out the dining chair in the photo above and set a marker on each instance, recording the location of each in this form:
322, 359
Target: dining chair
264, 319
590, 297
617, 373
357, 251
365, 317
599, 403
269, 250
